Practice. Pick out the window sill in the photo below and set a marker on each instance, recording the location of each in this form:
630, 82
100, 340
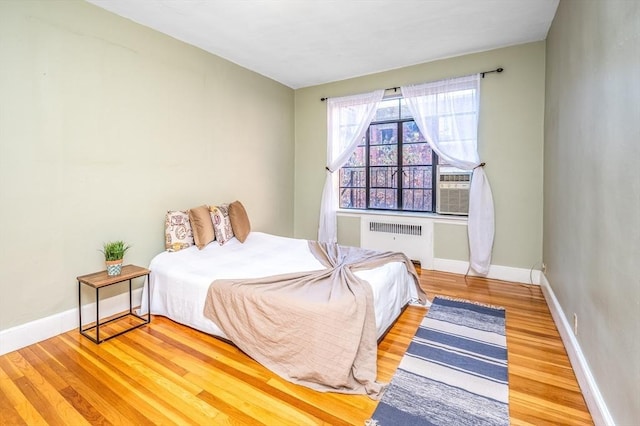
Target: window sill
433, 216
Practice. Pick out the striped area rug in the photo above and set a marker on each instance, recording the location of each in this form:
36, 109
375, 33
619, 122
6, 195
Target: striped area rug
454, 372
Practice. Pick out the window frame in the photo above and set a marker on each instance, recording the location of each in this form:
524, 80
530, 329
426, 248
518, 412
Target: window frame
399, 166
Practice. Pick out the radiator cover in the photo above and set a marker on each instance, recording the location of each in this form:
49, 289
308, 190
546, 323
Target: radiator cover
411, 236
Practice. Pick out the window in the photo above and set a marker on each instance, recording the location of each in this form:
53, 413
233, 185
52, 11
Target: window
393, 168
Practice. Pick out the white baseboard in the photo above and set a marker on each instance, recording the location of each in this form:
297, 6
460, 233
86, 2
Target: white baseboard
32, 332
588, 386
498, 272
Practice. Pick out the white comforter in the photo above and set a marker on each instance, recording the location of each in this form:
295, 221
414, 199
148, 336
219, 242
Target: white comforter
179, 280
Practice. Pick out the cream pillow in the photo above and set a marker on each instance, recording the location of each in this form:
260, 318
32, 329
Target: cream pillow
239, 221
177, 231
201, 225
221, 223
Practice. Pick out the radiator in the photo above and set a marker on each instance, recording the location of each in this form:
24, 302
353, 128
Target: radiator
411, 236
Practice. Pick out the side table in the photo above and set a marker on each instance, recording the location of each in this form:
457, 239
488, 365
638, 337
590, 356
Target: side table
100, 280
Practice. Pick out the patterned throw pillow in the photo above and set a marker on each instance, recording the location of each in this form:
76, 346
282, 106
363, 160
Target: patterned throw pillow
221, 223
177, 231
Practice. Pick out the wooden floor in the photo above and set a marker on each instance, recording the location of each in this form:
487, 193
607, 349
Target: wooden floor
165, 373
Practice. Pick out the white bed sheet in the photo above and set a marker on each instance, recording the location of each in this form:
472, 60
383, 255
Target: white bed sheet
179, 280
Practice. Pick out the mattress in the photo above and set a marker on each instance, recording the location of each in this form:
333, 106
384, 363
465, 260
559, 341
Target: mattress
179, 280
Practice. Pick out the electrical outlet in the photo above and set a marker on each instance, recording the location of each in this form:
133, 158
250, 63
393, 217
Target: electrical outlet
575, 323
544, 268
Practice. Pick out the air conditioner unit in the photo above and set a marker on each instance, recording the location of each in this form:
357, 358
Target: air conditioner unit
452, 194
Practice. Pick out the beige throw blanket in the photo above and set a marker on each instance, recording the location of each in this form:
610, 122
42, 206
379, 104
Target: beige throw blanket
313, 328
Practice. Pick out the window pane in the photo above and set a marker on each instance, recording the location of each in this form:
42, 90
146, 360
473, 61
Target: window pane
383, 177
404, 110
457, 127
353, 181
382, 198
351, 177
418, 154
346, 134
417, 177
417, 200
383, 155
383, 134
383, 183
459, 101
351, 198
357, 158
388, 110
411, 133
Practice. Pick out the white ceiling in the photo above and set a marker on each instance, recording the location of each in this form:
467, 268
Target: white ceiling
302, 43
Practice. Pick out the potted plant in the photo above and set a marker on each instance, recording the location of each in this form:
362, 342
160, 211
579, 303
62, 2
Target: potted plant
113, 254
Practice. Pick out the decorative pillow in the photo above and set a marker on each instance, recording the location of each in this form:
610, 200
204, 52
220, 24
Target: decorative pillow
201, 225
239, 221
221, 223
177, 231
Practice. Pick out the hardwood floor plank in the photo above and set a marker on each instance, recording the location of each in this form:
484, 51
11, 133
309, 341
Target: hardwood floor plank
554, 394
156, 353
199, 345
560, 378
8, 368
157, 395
166, 373
82, 406
113, 389
8, 414
97, 397
219, 379
52, 405
39, 402
150, 373
30, 354
542, 410
234, 412
20, 401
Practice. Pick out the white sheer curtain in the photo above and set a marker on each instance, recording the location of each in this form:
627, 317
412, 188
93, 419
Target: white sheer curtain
446, 113
347, 121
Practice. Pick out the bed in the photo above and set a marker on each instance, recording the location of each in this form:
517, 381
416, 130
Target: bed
179, 281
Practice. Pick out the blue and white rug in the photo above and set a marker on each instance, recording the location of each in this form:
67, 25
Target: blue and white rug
454, 372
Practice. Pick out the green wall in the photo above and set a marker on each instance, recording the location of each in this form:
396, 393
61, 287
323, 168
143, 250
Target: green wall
104, 126
510, 142
592, 189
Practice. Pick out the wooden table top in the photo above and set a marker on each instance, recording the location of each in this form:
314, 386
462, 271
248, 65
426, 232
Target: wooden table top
101, 279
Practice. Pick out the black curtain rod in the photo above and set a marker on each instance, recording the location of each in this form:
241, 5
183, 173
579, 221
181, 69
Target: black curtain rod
498, 70
395, 89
